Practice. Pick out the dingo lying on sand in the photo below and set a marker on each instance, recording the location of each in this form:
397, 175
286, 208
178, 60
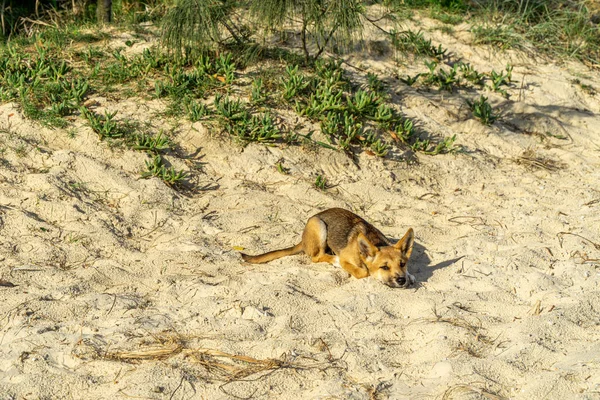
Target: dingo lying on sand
357, 246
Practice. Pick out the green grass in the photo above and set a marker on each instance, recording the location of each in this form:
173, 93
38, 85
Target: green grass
415, 43
502, 37
446, 17
556, 28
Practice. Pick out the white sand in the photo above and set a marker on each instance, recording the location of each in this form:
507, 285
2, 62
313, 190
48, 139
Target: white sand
506, 258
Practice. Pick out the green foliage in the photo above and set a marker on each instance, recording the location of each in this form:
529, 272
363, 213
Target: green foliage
452, 5
443, 147
206, 76
363, 103
405, 130
449, 18
230, 110
384, 114
500, 79
470, 74
482, 110
374, 83
195, 110
351, 129
415, 43
503, 37
293, 82
156, 167
443, 79
43, 84
238, 121
257, 95
354, 117
106, 126
192, 26
321, 182
225, 68
281, 168
410, 80
380, 148
322, 21
261, 128
151, 143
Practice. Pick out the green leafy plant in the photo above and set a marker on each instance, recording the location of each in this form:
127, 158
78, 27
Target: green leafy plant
414, 42
106, 126
363, 103
375, 84
351, 129
410, 80
195, 110
281, 168
293, 82
228, 109
380, 148
384, 114
225, 67
321, 182
482, 110
470, 74
405, 130
151, 143
262, 128
500, 79
156, 167
330, 125
446, 80
257, 96
426, 147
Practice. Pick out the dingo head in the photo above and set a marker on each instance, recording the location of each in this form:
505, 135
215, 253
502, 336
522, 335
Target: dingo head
389, 264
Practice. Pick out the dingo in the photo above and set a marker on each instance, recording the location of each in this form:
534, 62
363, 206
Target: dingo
357, 246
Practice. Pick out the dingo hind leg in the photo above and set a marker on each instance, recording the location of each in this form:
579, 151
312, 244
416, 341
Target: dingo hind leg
314, 239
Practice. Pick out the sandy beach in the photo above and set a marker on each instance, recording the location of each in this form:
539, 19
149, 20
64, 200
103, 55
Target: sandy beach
119, 287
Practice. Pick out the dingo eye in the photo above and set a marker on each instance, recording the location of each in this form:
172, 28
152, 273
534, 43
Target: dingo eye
385, 268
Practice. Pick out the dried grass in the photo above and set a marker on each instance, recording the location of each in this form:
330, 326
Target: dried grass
219, 365
530, 159
476, 330
469, 392
161, 352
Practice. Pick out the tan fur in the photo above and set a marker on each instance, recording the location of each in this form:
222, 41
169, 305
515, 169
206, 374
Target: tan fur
357, 246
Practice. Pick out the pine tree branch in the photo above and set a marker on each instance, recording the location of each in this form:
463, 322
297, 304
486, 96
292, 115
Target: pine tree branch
232, 31
322, 48
303, 36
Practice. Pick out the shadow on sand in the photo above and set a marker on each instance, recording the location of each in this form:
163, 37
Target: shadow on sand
420, 262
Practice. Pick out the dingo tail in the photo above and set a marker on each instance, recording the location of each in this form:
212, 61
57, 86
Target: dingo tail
272, 255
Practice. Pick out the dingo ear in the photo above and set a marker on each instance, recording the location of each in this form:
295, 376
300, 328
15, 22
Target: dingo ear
405, 245
366, 248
